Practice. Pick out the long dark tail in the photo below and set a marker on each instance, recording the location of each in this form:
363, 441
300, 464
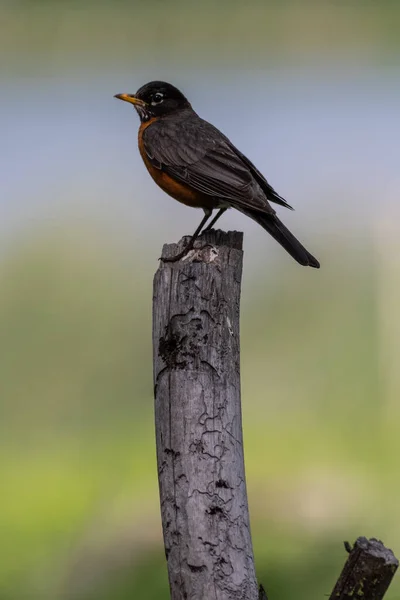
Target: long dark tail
282, 235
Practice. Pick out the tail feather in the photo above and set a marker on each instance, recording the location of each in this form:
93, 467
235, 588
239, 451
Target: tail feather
285, 238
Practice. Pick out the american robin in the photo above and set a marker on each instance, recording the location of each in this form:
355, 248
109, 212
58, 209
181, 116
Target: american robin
192, 161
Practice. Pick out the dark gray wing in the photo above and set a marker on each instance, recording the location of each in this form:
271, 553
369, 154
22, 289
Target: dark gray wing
268, 190
196, 153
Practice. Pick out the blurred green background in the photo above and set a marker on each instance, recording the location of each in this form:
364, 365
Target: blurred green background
308, 90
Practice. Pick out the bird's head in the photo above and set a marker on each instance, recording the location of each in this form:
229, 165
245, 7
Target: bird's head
156, 99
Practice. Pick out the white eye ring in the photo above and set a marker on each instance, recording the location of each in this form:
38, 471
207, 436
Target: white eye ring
157, 99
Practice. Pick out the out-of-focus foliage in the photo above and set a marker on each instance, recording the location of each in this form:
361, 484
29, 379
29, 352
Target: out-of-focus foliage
306, 89
75, 34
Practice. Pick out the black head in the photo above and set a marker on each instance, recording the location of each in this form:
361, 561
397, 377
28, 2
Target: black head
156, 99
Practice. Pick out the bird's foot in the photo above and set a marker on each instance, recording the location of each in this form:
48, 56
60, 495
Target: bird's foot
206, 254
180, 255
176, 257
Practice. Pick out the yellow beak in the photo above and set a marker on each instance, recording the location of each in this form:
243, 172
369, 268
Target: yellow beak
131, 99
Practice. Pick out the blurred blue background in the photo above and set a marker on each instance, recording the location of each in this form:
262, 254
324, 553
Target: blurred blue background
310, 92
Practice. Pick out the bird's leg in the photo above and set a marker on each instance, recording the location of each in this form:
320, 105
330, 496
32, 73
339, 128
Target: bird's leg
215, 219
207, 215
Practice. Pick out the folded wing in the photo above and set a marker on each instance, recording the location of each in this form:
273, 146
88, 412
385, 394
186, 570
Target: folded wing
196, 153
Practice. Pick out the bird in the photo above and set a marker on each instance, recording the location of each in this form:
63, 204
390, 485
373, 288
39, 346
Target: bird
196, 164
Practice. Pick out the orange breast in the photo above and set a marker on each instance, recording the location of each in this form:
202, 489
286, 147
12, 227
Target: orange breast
181, 192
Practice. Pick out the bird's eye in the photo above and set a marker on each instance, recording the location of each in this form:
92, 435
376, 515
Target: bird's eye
157, 98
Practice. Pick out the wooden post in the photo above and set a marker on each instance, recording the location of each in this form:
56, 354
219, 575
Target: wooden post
367, 573
203, 497
200, 461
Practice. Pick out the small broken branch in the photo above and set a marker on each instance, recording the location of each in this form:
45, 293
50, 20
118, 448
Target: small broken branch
367, 573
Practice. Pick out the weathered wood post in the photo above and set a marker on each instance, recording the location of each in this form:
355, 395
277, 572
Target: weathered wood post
200, 461
367, 573
203, 497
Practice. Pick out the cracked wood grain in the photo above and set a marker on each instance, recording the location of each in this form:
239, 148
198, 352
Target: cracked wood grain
200, 461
